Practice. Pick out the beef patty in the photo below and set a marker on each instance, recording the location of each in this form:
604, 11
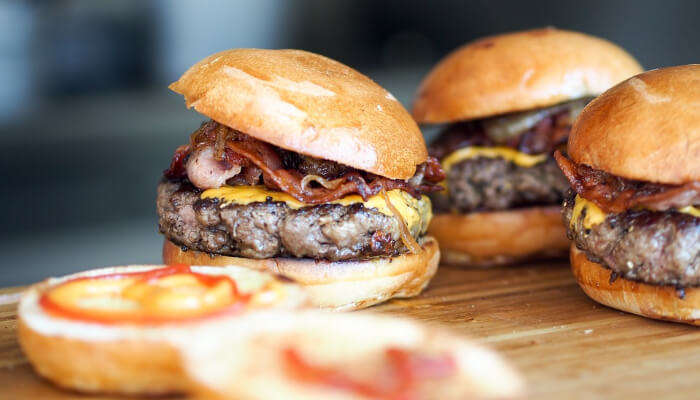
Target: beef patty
658, 247
489, 184
273, 229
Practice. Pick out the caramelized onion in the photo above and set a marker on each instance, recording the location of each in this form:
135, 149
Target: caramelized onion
406, 236
321, 181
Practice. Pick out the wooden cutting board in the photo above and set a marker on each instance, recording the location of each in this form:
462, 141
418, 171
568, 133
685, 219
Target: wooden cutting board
566, 345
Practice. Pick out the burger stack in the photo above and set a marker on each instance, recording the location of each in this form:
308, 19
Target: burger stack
310, 186
306, 188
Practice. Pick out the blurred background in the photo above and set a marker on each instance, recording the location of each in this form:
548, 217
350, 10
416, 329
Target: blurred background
88, 123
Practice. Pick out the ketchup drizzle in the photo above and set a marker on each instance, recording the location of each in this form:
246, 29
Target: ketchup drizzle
56, 309
406, 371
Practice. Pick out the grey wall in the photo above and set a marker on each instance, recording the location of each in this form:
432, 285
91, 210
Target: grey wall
88, 123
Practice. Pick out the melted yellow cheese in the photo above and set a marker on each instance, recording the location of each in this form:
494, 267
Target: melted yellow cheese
694, 211
594, 215
514, 156
416, 213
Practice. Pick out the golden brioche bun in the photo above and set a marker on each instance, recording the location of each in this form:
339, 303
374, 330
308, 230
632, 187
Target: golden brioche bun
308, 104
246, 361
339, 285
484, 239
645, 128
520, 71
122, 358
653, 301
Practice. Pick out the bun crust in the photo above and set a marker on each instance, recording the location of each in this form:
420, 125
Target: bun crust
646, 128
308, 104
120, 358
245, 362
106, 367
340, 285
520, 71
485, 239
658, 302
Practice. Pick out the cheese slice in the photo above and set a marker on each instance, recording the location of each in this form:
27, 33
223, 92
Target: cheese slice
416, 213
594, 215
512, 155
694, 211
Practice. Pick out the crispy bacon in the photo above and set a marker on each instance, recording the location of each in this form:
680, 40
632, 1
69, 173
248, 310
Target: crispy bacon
615, 194
545, 137
176, 170
258, 159
433, 170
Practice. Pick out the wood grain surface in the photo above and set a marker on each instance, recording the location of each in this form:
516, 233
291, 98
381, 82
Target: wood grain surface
565, 345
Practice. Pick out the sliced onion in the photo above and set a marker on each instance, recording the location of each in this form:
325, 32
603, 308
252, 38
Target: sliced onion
406, 236
321, 181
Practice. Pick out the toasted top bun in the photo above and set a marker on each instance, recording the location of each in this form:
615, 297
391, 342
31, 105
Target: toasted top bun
645, 128
520, 71
247, 360
309, 104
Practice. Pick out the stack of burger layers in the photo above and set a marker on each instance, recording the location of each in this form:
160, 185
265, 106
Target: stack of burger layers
310, 186
306, 188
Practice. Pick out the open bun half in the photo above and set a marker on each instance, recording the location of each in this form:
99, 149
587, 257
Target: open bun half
520, 71
652, 301
338, 285
645, 128
123, 358
308, 104
485, 239
247, 361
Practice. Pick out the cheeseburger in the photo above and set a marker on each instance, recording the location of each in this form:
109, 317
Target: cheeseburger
506, 103
634, 208
306, 168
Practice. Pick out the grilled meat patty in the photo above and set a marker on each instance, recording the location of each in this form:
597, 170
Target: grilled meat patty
273, 229
657, 247
489, 184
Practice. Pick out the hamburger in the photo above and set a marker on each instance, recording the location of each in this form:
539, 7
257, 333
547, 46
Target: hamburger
505, 103
306, 168
633, 212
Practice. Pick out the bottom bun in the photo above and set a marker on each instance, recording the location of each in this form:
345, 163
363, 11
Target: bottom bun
137, 366
485, 239
128, 358
653, 301
337, 285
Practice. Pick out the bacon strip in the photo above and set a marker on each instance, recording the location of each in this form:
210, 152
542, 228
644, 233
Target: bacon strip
253, 154
177, 164
615, 194
546, 136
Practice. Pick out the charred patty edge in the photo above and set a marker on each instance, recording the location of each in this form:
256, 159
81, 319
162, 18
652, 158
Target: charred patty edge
272, 229
497, 184
656, 246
